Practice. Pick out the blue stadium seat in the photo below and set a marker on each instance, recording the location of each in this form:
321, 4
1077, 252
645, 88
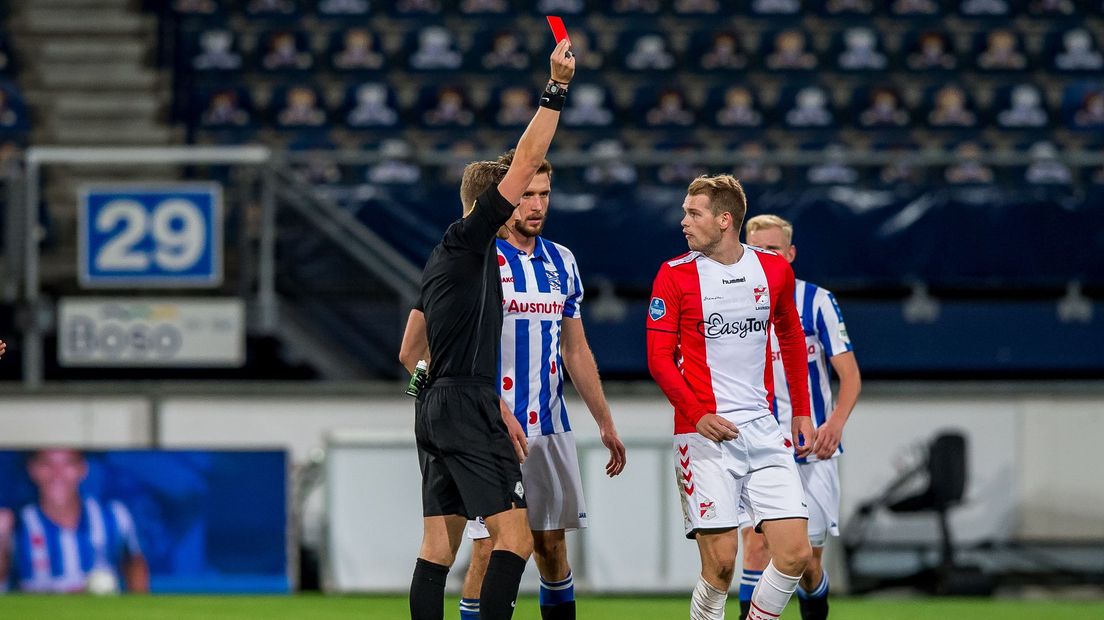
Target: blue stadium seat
917, 9
343, 9
806, 107
370, 105
663, 107
224, 108
880, 108
431, 49
445, 106
859, 49
213, 50
1083, 106
1021, 107
788, 50
777, 9
1073, 50
646, 51
416, 9
14, 118
931, 49
356, 50
487, 11
563, 8
735, 106
985, 9
592, 107
847, 8
282, 10
511, 106
284, 51
700, 9
634, 8
950, 107
298, 107
504, 51
1000, 49
717, 51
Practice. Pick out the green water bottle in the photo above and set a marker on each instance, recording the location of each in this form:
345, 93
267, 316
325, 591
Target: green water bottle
418, 379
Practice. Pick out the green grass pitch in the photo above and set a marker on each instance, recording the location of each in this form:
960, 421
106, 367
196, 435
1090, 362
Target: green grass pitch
313, 607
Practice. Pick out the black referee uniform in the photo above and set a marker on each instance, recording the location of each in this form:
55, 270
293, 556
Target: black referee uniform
468, 463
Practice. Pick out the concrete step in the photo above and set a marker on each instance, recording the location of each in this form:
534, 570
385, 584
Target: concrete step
110, 133
117, 49
114, 5
58, 20
105, 105
94, 76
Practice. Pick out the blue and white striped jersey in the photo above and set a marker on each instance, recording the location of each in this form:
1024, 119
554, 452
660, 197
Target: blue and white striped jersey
538, 291
49, 558
825, 337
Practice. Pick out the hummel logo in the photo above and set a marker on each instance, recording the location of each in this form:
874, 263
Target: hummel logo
736, 281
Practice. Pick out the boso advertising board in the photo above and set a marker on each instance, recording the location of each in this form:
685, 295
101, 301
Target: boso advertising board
166, 235
151, 332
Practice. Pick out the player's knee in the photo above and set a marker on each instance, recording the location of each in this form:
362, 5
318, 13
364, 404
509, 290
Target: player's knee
515, 540
549, 548
438, 552
793, 559
719, 567
756, 555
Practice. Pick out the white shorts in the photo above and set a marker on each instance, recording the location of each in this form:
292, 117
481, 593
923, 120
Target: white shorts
822, 493
755, 470
553, 486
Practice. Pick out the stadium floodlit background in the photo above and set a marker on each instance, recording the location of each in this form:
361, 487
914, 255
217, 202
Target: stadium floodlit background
215, 214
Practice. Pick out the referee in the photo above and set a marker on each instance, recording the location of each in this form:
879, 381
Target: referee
467, 460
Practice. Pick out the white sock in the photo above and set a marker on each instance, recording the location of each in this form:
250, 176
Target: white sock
708, 603
771, 595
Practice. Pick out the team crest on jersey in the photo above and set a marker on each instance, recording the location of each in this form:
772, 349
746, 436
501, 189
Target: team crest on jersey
553, 280
707, 510
762, 298
657, 309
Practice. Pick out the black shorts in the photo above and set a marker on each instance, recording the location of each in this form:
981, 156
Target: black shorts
468, 462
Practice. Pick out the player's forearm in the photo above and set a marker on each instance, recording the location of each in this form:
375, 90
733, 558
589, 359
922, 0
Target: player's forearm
850, 385
584, 376
661, 365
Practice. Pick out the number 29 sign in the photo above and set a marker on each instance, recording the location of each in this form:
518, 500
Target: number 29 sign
151, 236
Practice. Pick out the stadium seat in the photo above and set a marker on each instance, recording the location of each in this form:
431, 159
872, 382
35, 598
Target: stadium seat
445, 106
1073, 50
929, 50
342, 9
432, 48
999, 50
298, 107
356, 50
859, 49
273, 9
663, 108
370, 105
734, 105
501, 52
511, 106
788, 50
215, 50
716, 52
1083, 106
284, 51
646, 52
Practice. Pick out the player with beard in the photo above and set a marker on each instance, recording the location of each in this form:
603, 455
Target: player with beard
542, 333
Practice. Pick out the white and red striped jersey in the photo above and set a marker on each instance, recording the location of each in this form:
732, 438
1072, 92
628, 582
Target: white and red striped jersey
825, 338
709, 329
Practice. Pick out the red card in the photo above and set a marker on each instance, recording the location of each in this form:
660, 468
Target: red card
558, 29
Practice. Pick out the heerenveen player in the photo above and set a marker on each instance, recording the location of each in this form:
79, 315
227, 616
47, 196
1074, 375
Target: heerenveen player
826, 341
468, 465
542, 313
709, 322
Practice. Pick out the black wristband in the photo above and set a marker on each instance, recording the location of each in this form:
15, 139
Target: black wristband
554, 96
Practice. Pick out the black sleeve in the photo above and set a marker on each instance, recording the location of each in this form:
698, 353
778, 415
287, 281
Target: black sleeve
491, 211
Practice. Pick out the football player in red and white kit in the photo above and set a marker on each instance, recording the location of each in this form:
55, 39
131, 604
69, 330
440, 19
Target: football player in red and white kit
709, 322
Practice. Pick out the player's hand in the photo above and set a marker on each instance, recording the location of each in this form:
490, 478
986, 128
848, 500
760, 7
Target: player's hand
828, 438
516, 433
616, 449
3, 348
714, 427
802, 429
563, 66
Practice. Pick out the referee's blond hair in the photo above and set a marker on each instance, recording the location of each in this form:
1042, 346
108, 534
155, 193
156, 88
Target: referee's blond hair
767, 220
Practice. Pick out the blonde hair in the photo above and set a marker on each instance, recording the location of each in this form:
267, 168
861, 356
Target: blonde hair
479, 176
763, 222
725, 194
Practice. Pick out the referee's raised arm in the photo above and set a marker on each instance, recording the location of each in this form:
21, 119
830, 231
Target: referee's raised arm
533, 145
